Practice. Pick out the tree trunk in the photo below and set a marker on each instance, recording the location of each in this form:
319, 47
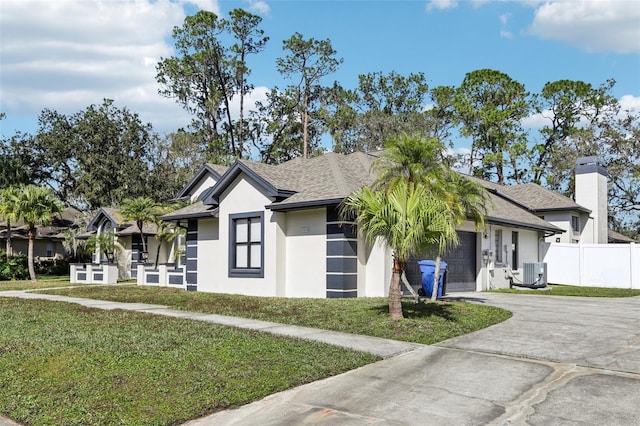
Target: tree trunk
32, 270
9, 248
395, 305
436, 278
305, 125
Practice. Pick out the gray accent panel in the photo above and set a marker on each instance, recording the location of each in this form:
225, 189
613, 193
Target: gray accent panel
591, 165
153, 279
192, 287
339, 264
335, 230
82, 276
341, 294
175, 279
342, 248
342, 282
98, 277
192, 278
192, 265
191, 252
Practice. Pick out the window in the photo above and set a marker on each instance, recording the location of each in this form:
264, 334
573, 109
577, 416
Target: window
514, 250
575, 223
498, 243
246, 249
49, 250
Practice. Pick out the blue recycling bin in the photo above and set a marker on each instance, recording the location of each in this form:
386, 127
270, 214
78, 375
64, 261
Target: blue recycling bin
428, 269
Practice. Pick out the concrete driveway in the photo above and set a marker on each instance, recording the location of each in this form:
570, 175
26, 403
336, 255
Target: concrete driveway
558, 361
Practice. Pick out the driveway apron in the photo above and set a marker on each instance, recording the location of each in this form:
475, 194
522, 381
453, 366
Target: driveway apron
557, 361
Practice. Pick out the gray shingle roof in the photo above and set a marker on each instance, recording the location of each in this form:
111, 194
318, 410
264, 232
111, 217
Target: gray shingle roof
536, 198
328, 178
195, 210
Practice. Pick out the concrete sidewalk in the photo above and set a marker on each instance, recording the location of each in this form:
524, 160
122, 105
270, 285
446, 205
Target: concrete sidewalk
558, 360
382, 347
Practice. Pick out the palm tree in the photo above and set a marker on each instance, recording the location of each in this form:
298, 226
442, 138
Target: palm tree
35, 206
420, 160
140, 210
8, 201
406, 218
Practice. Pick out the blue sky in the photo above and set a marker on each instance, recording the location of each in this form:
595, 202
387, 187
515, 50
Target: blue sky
68, 54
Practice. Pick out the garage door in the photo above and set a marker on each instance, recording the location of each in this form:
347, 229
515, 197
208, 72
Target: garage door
461, 265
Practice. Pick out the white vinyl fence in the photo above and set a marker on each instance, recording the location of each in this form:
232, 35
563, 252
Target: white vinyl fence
597, 265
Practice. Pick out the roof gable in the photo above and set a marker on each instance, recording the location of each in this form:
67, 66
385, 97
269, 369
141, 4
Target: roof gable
215, 171
264, 175
109, 213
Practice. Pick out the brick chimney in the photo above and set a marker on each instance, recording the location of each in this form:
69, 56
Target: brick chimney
591, 192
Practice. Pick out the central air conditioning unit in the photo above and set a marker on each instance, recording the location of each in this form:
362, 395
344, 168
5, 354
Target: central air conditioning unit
535, 273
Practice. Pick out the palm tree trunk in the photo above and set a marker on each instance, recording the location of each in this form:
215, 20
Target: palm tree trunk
9, 248
436, 278
32, 270
395, 304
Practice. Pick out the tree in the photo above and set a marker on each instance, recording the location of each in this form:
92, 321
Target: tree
9, 211
249, 40
18, 162
206, 75
490, 105
141, 210
95, 157
35, 206
383, 105
418, 160
406, 219
569, 109
308, 61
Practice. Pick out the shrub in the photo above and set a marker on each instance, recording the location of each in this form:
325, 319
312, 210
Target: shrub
52, 267
13, 268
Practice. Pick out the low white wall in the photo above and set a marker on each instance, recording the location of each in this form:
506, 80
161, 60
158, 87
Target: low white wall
89, 273
597, 265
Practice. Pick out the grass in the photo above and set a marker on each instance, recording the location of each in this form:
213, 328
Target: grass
570, 290
44, 281
425, 323
67, 364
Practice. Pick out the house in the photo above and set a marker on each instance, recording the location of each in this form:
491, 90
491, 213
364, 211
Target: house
49, 239
268, 230
129, 250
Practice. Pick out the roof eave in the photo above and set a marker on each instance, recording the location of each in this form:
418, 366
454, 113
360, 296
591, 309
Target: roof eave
304, 204
516, 224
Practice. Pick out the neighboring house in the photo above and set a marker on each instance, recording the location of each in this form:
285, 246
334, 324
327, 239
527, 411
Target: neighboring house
49, 239
130, 252
269, 230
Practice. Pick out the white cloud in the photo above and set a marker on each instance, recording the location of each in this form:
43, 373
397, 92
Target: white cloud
441, 4
68, 54
260, 7
595, 26
630, 103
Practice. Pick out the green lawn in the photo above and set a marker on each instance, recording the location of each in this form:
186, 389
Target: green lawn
64, 364
43, 282
426, 323
570, 290
67, 364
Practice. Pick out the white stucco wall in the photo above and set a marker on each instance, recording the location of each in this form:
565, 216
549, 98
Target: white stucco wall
375, 264
210, 248
306, 252
591, 192
203, 184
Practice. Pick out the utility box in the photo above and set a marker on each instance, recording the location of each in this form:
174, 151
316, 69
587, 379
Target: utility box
535, 273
